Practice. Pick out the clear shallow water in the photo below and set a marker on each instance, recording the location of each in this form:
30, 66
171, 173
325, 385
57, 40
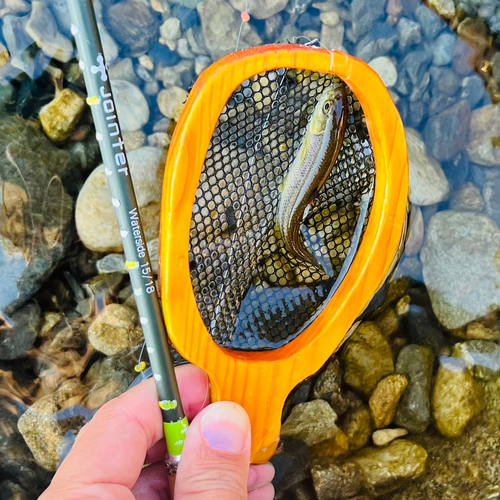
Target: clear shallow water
443, 295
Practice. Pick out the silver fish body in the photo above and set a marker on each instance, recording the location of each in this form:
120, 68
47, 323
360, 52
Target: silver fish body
310, 169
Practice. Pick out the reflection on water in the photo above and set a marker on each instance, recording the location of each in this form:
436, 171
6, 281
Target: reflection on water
420, 378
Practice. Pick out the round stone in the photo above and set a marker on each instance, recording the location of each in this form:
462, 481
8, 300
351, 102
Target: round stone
386, 69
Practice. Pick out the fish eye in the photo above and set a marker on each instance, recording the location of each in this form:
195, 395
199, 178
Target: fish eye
327, 106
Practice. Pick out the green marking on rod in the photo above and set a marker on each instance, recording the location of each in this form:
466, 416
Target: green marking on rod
175, 434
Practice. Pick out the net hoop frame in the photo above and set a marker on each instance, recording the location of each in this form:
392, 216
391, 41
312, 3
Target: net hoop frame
261, 381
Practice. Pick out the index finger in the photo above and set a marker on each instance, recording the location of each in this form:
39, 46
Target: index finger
112, 447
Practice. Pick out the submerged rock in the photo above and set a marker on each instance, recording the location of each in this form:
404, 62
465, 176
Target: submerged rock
386, 69
467, 197
221, 24
367, 358
116, 328
484, 132
481, 357
385, 398
357, 426
456, 398
171, 101
428, 184
460, 266
60, 116
260, 9
335, 482
311, 422
45, 424
385, 469
414, 409
95, 218
491, 189
365, 14
328, 381
131, 105
383, 437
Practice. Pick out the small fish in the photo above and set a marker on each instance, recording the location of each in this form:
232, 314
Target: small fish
311, 167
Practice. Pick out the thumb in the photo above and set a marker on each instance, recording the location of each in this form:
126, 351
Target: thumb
216, 455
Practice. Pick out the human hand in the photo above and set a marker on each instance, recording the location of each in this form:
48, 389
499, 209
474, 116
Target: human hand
107, 459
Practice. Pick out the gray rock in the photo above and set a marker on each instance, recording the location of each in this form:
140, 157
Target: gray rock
409, 33
385, 469
414, 409
220, 24
492, 199
171, 29
416, 236
132, 107
176, 75
468, 197
132, 24
124, 70
134, 140
378, 42
42, 27
332, 37
310, 422
456, 397
109, 46
460, 266
183, 49
260, 9
484, 129
328, 381
428, 184
201, 63
112, 263
35, 221
336, 481
95, 218
446, 81
472, 89
443, 49
171, 101
430, 22
482, 357
386, 69
18, 338
364, 15
60, 11
446, 133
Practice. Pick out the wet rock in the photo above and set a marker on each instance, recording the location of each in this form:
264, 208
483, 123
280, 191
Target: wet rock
475, 32
414, 412
468, 197
260, 9
36, 210
386, 69
443, 49
60, 116
44, 425
428, 184
134, 140
132, 107
18, 339
335, 482
472, 90
60, 11
379, 41
456, 398
171, 101
416, 236
220, 24
409, 33
133, 25
384, 469
385, 436
170, 31
176, 75
482, 358
116, 328
429, 21
423, 328
445, 8
464, 57
331, 448
446, 133
112, 263
124, 70
459, 266
43, 29
366, 358
310, 422
357, 426
484, 131
291, 464
328, 381
201, 63
491, 198
385, 398
4, 55
364, 15
332, 36
95, 218
484, 329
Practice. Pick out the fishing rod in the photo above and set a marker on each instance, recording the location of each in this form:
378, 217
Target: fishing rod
108, 134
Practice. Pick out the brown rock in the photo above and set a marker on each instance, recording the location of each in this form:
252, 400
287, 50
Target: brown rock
385, 398
332, 448
335, 482
357, 426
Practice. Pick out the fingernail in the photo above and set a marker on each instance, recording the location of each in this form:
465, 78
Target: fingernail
225, 427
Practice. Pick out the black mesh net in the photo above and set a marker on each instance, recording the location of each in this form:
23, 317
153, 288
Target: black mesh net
252, 294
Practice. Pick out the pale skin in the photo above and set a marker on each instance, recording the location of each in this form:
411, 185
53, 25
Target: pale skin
107, 460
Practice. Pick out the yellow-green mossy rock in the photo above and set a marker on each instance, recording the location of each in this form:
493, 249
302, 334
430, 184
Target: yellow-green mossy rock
312, 422
456, 399
115, 329
335, 481
336, 446
385, 469
367, 358
357, 425
59, 116
385, 398
43, 426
